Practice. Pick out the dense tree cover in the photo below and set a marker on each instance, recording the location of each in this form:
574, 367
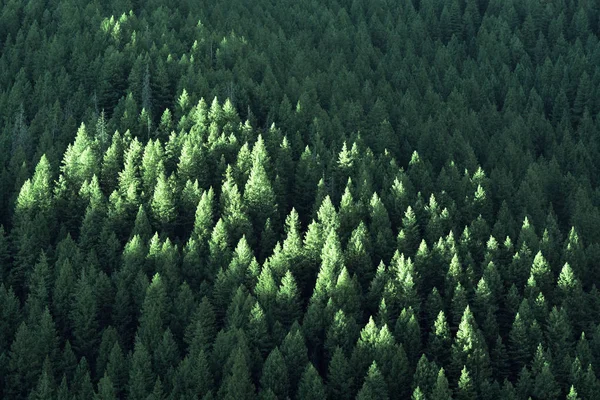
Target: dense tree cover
314, 199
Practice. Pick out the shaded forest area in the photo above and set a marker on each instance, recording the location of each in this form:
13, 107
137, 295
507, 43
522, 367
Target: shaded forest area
299, 199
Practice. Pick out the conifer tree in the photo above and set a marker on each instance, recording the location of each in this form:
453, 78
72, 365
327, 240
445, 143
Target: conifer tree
466, 390
84, 318
440, 340
259, 196
294, 352
339, 378
374, 386
288, 301
163, 203
311, 384
141, 377
469, 348
274, 375
441, 390
237, 384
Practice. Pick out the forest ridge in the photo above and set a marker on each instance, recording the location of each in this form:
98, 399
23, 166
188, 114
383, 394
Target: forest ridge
299, 199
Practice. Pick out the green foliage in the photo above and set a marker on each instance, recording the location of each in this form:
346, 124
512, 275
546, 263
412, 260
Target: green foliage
343, 223
311, 385
374, 386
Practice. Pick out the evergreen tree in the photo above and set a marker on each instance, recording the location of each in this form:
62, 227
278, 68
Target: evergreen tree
237, 384
311, 385
152, 318
441, 390
374, 386
141, 377
84, 318
274, 375
469, 348
339, 378
294, 352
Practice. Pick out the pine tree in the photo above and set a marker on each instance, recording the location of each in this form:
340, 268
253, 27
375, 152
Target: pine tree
374, 386
381, 230
193, 377
163, 203
274, 375
441, 389
117, 369
469, 348
288, 301
259, 196
294, 352
342, 332
237, 384
408, 332
166, 356
9, 317
39, 289
153, 315
440, 340
311, 385
572, 395
357, 254
82, 386
466, 390
233, 209
141, 377
544, 385
45, 386
339, 378
409, 237
418, 394
84, 318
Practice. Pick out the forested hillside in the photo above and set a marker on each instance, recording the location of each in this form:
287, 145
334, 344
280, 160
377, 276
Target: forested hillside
367, 199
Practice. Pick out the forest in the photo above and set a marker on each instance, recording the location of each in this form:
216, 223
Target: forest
309, 199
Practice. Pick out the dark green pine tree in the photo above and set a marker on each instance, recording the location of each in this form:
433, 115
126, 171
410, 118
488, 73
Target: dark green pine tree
4, 255
374, 386
39, 289
202, 329
544, 383
193, 377
141, 377
381, 230
82, 387
274, 375
342, 332
117, 369
84, 318
153, 314
27, 353
10, 316
340, 381
357, 255
441, 389
237, 383
408, 331
295, 355
166, 356
311, 385
233, 210
45, 386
